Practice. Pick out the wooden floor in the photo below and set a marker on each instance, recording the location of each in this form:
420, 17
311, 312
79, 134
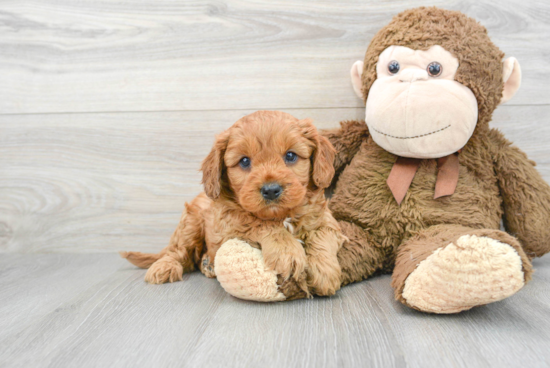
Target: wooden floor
106, 110
95, 310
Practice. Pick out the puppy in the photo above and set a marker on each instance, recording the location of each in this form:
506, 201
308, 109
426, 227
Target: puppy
264, 183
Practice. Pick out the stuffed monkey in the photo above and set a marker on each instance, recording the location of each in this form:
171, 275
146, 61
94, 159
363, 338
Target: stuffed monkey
422, 186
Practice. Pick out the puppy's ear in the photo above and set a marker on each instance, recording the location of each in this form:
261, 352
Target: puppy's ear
323, 162
212, 166
323, 155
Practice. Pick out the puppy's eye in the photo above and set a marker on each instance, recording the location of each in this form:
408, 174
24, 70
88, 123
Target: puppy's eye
393, 67
245, 162
290, 157
434, 69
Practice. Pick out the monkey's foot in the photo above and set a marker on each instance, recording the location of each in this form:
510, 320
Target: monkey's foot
470, 272
241, 271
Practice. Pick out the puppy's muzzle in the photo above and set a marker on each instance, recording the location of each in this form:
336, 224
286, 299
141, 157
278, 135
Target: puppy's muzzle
271, 191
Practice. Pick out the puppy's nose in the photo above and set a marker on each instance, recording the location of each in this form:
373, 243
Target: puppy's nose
271, 191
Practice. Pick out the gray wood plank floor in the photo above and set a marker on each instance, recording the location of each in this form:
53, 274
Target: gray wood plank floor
106, 110
96, 311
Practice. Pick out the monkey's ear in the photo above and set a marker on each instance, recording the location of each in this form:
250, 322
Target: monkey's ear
356, 72
511, 76
212, 166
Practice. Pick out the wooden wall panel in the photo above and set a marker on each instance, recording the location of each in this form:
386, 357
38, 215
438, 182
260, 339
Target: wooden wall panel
152, 55
107, 108
110, 181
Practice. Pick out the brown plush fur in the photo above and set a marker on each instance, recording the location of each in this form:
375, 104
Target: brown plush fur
480, 66
421, 246
496, 180
233, 206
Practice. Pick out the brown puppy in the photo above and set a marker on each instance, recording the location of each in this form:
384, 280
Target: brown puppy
264, 183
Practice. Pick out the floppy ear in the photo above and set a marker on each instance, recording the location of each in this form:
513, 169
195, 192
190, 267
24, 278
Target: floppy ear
322, 157
323, 162
212, 166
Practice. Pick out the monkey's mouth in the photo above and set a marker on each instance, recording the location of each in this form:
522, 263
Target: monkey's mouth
413, 137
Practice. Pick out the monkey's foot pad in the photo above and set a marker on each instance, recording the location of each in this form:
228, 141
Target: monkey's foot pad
474, 271
241, 271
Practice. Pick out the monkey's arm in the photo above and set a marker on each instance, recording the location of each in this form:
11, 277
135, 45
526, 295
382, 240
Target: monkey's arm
526, 196
346, 140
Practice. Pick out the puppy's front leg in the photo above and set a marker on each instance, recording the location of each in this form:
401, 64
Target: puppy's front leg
284, 254
324, 272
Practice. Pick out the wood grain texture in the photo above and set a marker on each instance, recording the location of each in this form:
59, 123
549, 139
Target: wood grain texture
107, 109
35, 285
151, 55
122, 321
119, 181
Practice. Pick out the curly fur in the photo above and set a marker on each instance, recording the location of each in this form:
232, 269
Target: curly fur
233, 207
479, 59
496, 180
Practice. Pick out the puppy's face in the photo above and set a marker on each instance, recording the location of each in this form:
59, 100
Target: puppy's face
267, 161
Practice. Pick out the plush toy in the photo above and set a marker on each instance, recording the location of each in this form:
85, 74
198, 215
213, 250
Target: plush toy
422, 186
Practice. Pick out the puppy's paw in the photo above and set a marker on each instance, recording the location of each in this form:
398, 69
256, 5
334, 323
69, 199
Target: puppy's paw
323, 276
207, 266
287, 262
166, 269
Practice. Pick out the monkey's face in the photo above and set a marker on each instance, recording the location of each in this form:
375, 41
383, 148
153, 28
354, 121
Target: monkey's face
415, 108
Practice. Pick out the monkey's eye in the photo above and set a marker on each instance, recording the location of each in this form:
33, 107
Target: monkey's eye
434, 69
290, 157
245, 162
393, 67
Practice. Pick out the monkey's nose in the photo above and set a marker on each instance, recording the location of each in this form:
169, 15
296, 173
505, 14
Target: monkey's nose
271, 191
413, 75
